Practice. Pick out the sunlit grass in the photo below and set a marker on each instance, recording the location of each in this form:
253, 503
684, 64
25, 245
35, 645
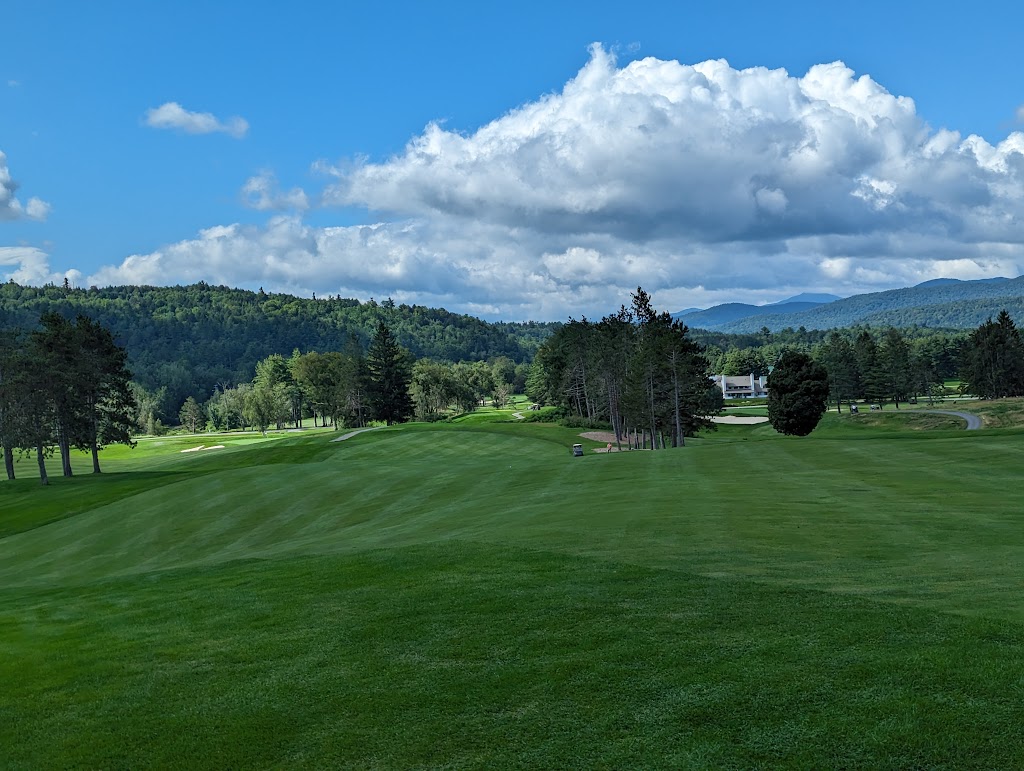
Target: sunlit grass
468, 594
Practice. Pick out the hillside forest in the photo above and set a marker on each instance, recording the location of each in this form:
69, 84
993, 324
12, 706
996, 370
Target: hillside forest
67, 380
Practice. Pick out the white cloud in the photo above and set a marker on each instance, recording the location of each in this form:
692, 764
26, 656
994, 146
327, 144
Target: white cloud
172, 115
702, 183
32, 266
10, 207
261, 192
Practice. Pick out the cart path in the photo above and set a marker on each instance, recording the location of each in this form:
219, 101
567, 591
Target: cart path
973, 421
350, 434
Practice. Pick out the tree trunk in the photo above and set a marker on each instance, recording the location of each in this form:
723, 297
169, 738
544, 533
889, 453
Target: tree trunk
65, 451
95, 442
42, 465
9, 462
679, 422
654, 419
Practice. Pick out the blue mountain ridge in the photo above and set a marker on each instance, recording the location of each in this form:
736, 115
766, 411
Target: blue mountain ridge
986, 297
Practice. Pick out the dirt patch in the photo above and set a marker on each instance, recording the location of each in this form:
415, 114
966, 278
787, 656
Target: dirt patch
739, 420
599, 436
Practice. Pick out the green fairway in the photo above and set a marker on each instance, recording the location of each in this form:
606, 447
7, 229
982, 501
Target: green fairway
468, 594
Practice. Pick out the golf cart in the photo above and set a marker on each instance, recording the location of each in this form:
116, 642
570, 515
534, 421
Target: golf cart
577, 450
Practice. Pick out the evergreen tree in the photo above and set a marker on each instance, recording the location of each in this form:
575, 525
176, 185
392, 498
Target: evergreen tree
55, 349
797, 394
388, 370
992, 359
614, 341
836, 354
355, 379
874, 385
13, 393
896, 366
104, 389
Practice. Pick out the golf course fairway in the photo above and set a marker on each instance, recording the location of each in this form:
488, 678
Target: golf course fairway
471, 596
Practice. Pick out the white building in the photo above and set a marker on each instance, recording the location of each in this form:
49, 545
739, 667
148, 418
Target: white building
742, 386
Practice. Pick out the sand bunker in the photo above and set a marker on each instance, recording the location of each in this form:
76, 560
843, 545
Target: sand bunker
599, 436
736, 420
204, 447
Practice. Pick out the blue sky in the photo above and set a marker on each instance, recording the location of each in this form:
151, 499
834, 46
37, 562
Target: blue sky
491, 159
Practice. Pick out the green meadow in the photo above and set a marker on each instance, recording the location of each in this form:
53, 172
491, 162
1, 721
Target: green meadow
468, 595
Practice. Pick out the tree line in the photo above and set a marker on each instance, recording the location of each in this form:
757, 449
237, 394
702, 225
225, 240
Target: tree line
345, 388
189, 339
989, 362
335, 388
992, 359
65, 385
637, 370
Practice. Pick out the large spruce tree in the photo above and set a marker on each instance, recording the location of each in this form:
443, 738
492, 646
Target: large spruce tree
388, 377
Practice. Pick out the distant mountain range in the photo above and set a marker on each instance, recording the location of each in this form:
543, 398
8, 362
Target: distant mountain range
941, 302
819, 298
716, 317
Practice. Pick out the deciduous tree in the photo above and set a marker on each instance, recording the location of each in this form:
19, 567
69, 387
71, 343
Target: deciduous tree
191, 415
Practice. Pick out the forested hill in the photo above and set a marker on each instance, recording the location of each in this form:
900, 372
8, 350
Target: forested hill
950, 304
190, 338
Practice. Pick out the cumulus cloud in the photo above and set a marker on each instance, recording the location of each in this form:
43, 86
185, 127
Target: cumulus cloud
262, 193
172, 115
701, 182
29, 265
10, 207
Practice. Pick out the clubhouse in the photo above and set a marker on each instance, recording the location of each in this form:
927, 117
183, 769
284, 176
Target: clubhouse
742, 386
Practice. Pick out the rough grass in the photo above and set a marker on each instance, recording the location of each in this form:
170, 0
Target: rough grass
473, 596
997, 413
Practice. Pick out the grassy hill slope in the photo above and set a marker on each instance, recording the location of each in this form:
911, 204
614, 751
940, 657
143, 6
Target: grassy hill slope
471, 595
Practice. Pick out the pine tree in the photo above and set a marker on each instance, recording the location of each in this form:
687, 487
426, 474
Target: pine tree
107, 399
838, 358
55, 349
12, 396
388, 371
870, 373
896, 366
992, 359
